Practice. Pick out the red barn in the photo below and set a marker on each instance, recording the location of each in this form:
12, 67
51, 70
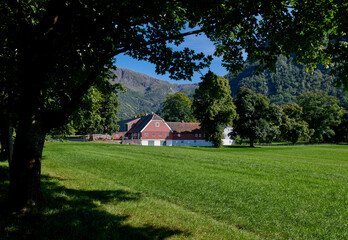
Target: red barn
153, 130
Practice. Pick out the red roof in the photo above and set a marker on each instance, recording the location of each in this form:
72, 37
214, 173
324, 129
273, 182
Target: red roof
183, 127
143, 122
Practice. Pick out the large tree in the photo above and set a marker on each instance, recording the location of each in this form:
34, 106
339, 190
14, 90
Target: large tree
293, 127
322, 113
213, 107
177, 108
53, 51
254, 118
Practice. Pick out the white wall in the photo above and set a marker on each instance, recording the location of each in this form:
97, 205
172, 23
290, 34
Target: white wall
226, 140
156, 142
192, 143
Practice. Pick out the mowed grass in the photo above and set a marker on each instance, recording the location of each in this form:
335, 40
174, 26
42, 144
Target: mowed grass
107, 191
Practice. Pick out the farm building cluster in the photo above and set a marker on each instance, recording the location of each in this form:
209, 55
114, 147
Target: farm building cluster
152, 130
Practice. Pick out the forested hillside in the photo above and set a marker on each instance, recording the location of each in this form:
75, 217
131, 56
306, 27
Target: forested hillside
289, 81
144, 93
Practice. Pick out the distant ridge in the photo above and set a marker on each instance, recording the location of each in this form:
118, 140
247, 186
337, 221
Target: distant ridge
144, 93
289, 80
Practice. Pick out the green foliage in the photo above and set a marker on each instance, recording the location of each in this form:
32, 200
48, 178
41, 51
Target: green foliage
341, 131
213, 107
177, 108
288, 81
275, 115
98, 112
256, 119
293, 128
322, 113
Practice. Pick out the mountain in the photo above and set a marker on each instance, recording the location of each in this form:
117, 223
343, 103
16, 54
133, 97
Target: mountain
289, 81
144, 93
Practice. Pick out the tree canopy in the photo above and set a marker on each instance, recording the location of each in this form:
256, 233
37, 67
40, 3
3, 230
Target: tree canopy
254, 116
322, 113
53, 51
213, 107
177, 108
293, 127
97, 113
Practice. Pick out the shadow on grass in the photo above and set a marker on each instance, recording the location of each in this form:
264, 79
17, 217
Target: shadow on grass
74, 214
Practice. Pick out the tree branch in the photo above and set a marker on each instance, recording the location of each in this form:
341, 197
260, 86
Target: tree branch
51, 15
173, 37
17, 10
53, 119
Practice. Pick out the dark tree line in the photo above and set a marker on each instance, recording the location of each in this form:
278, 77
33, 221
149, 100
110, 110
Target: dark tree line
316, 117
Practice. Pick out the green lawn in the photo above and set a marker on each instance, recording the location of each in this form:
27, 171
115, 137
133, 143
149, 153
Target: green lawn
107, 191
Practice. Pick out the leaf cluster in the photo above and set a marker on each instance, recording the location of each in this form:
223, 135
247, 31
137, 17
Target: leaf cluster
254, 116
322, 113
293, 127
176, 108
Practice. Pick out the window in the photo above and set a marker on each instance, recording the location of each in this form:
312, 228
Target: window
146, 134
160, 134
200, 135
157, 124
153, 134
167, 134
196, 135
117, 135
179, 135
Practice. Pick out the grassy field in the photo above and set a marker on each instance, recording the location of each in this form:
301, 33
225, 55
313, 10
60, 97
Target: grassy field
107, 191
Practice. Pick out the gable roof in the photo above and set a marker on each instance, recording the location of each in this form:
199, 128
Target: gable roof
123, 124
183, 127
142, 123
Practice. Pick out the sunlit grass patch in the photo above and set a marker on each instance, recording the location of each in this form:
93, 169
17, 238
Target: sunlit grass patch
123, 192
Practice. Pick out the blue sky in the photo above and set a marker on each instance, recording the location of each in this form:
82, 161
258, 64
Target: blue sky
198, 43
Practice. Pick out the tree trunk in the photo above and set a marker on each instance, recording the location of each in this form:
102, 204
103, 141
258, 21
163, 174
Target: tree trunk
6, 142
252, 142
10, 145
25, 169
